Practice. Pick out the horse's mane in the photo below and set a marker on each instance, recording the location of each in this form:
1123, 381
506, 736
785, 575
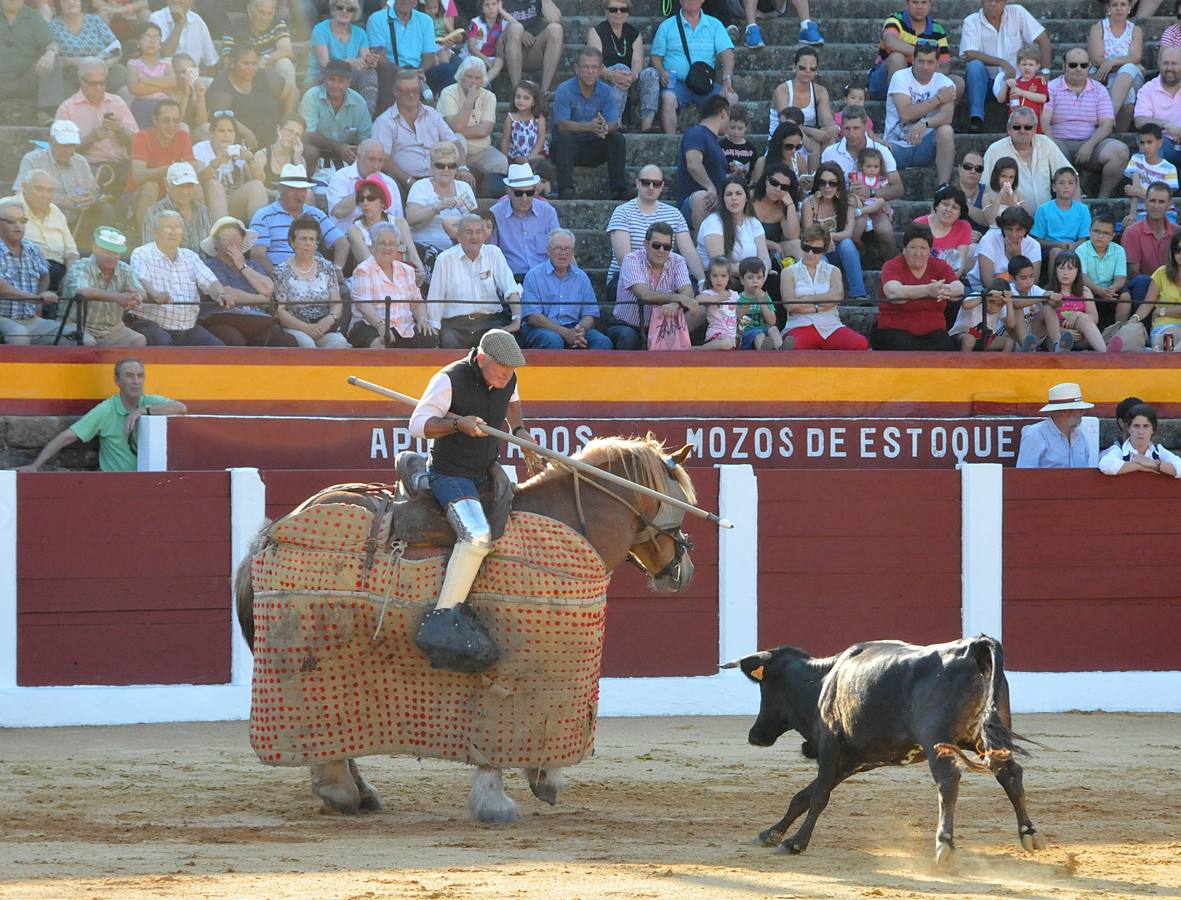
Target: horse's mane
641, 458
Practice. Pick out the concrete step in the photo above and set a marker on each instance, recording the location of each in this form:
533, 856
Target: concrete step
946, 11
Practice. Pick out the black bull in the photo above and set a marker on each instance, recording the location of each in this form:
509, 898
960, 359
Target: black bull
886, 703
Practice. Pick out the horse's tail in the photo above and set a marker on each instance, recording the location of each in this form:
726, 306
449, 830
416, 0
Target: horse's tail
244, 586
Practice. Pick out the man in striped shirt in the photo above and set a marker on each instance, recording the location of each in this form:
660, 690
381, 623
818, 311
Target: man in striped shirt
651, 276
272, 222
1079, 117
276, 55
629, 224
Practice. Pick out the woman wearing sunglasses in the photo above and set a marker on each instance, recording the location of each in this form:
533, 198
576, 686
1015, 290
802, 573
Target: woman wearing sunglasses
803, 92
812, 292
831, 205
773, 204
622, 47
339, 37
435, 204
969, 178
916, 288
373, 200
785, 148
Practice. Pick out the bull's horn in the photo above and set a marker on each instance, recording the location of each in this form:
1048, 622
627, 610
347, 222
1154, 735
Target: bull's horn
764, 655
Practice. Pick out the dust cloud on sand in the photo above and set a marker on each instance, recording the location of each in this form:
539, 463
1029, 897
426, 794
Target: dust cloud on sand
666, 808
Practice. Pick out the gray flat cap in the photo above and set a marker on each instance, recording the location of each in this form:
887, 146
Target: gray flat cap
502, 347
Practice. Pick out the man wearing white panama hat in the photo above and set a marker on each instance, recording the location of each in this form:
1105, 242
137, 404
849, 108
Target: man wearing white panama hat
1056, 442
523, 223
272, 222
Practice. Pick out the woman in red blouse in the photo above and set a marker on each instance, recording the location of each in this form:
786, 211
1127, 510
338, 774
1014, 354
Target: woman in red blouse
915, 291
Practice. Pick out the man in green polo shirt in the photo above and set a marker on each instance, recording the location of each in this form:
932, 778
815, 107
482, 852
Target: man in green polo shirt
113, 421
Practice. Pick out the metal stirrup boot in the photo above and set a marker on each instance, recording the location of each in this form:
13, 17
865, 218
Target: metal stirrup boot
451, 635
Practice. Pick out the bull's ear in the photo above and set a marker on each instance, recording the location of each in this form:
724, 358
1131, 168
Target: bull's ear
681, 455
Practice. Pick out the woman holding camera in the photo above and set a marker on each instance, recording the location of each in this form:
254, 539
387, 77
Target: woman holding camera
237, 188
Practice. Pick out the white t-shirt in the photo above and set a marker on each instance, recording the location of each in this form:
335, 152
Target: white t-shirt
904, 82
840, 154
231, 174
744, 237
432, 233
992, 245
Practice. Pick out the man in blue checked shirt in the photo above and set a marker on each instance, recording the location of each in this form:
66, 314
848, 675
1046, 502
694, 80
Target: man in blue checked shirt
586, 113
558, 303
24, 282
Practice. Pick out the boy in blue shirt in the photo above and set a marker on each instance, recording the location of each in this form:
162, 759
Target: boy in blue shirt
1062, 223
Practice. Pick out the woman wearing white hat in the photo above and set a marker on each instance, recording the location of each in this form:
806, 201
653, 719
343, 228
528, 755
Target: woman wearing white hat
1056, 442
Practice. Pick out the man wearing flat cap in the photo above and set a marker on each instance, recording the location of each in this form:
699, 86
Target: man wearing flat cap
479, 389
1056, 442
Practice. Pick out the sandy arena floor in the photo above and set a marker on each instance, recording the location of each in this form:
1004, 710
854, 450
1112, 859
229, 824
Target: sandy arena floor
666, 808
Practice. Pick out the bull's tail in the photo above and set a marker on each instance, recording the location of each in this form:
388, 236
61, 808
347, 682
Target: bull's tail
996, 732
244, 587
979, 764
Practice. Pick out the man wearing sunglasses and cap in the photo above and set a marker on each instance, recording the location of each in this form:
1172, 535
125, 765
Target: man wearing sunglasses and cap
479, 389
1056, 442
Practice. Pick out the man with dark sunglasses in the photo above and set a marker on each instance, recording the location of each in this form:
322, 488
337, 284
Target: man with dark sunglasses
586, 127
1078, 115
650, 277
523, 221
1038, 157
629, 223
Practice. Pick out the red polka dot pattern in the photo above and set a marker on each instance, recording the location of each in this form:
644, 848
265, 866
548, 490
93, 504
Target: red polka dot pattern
337, 674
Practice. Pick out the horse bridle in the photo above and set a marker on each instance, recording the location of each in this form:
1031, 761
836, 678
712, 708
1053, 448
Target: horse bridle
666, 522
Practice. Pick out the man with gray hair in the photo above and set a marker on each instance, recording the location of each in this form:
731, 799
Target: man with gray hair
558, 302
470, 286
74, 189
104, 121
342, 186
47, 226
1038, 157
24, 281
171, 275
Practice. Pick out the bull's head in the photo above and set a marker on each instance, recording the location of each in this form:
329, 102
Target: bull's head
774, 717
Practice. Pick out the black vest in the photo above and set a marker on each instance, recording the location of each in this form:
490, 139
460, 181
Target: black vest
458, 454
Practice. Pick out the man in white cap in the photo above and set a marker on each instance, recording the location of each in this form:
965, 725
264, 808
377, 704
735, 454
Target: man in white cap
523, 221
103, 286
244, 318
273, 221
184, 188
74, 189
479, 389
1056, 442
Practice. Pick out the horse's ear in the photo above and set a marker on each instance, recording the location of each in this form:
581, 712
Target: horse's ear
683, 454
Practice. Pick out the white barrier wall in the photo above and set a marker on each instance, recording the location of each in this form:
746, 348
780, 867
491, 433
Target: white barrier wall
725, 693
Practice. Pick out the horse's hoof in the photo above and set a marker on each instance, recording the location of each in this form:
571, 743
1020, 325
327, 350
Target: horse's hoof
545, 784
768, 838
1033, 841
341, 802
944, 854
371, 800
789, 848
497, 815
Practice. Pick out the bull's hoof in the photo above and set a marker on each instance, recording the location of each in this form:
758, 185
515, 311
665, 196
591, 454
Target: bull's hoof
768, 838
455, 639
791, 847
944, 853
1032, 840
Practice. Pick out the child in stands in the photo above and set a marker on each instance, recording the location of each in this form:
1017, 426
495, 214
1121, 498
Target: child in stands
756, 314
992, 330
485, 38
524, 126
739, 152
1076, 310
1146, 167
721, 307
1027, 88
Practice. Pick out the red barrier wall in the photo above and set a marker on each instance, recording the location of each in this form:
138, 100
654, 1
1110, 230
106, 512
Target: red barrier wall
1092, 578
855, 556
123, 578
647, 633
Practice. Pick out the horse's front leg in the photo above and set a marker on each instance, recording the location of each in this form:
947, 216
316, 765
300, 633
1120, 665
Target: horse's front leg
370, 799
487, 801
334, 784
546, 783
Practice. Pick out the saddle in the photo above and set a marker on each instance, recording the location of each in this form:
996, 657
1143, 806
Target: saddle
418, 518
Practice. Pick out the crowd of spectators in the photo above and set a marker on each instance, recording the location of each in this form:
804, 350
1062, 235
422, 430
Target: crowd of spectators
195, 191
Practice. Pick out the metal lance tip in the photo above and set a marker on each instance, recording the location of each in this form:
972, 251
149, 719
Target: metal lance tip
725, 523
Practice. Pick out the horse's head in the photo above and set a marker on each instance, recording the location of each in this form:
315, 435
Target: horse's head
661, 548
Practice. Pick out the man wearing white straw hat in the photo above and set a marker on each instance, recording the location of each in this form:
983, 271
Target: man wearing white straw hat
1056, 442
244, 317
272, 222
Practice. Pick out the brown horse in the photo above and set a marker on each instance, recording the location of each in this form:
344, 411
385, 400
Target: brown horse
621, 524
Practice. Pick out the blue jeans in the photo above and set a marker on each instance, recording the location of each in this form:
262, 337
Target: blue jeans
920, 154
1171, 151
626, 337
1138, 287
548, 339
979, 83
686, 97
848, 258
447, 488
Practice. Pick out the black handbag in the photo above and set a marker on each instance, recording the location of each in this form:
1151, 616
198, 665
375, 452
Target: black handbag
700, 79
